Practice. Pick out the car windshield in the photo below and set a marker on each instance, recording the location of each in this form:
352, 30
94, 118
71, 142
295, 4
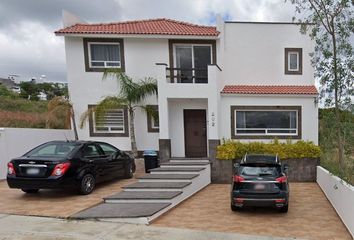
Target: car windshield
261, 158
256, 171
53, 149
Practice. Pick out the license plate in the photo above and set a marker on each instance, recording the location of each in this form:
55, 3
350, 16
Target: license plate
32, 171
259, 187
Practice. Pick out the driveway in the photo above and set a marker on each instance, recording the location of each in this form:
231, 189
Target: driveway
58, 203
310, 215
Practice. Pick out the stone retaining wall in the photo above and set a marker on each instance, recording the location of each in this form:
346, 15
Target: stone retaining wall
300, 170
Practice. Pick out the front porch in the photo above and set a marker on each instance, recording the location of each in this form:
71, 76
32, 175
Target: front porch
189, 129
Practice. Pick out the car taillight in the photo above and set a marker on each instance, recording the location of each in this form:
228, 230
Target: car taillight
282, 179
60, 169
238, 179
11, 169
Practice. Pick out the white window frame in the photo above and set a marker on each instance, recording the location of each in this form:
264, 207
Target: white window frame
153, 126
191, 45
104, 62
297, 61
266, 130
109, 126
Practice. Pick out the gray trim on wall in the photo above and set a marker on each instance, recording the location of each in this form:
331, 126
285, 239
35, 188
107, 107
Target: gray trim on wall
299, 121
94, 134
86, 56
286, 63
149, 121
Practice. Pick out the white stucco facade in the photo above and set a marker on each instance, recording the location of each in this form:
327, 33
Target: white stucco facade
246, 54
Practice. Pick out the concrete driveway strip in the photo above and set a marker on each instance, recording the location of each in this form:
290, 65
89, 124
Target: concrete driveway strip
14, 227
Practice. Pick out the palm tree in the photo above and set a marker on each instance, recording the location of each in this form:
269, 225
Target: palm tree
131, 95
59, 109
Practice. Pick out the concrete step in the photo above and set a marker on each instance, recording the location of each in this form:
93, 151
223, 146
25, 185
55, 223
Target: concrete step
189, 160
142, 197
156, 186
177, 170
123, 212
184, 164
168, 177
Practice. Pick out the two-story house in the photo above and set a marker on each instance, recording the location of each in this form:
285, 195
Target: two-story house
251, 81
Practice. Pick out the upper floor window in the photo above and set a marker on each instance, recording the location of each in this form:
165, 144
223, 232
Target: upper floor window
113, 123
189, 60
293, 61
103, 53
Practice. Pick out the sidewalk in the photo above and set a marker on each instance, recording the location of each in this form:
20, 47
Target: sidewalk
40, 228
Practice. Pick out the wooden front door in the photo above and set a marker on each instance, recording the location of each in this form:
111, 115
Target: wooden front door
195, 135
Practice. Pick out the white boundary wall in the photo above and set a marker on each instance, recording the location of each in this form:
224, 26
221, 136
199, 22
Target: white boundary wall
340, 194
14, 142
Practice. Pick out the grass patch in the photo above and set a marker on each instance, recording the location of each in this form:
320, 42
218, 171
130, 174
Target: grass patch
23, 105
22, 119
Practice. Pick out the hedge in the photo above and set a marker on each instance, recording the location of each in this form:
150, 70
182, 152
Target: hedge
230, 150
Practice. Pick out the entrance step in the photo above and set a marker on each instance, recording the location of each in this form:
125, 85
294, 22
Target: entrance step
157, 186
142, 197
167, 177
153, 194
176, 170
173, 160
184, 164
123, 212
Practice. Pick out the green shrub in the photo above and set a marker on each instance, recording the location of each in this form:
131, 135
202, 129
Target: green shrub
235, 150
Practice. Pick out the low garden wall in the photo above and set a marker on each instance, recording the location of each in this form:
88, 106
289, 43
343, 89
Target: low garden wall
340, 194
14, 142
300, 170
302, 158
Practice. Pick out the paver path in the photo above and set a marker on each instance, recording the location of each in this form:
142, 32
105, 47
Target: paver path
310, 215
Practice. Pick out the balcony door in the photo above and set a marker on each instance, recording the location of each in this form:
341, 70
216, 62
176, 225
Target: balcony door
191, 62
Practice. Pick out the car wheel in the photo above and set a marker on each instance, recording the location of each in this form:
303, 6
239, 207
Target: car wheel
129, 171
284, 209
87, 184
30, 190
234, 208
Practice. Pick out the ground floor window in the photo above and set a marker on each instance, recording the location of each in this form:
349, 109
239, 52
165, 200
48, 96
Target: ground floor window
266, 121
113, 123
153, 124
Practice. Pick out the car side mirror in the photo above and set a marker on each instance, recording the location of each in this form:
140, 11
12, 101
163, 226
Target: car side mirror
286, 167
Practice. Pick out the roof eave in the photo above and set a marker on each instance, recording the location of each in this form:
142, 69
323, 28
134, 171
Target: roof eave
269, 95
152, 36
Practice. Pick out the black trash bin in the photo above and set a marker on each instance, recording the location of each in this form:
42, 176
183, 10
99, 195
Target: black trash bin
150, 160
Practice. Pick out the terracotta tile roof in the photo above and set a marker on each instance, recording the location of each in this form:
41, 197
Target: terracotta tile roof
161, 26
270, 89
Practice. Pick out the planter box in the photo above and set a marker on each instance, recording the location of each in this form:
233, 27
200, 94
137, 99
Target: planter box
300, 170
340, 195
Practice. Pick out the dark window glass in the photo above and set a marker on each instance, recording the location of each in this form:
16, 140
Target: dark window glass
266, 119
53, 150
105, 52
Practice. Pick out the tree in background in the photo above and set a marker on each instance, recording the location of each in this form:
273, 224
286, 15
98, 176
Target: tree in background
330, 24
131, 95
29, 90
59, 109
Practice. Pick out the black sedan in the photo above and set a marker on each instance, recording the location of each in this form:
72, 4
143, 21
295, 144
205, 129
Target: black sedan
69, 164
260, 180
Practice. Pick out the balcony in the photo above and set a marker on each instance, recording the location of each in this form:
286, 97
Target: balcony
187, 75
188, 82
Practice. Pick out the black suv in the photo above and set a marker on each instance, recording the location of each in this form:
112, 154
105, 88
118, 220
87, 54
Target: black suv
260, 180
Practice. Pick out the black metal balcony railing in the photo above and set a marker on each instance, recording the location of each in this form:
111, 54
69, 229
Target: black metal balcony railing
187, 75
